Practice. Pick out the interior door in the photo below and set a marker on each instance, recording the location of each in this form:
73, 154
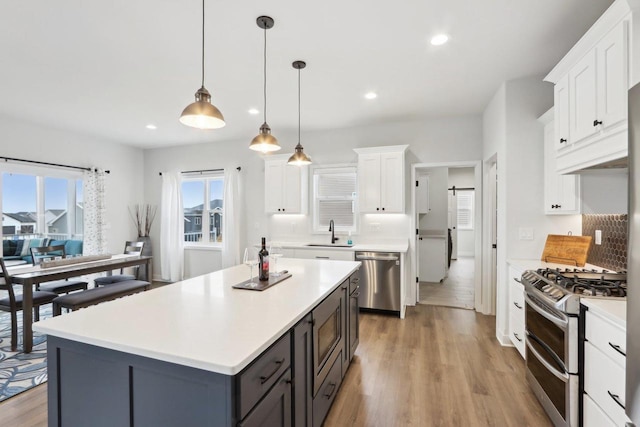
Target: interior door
493, 185
453, 223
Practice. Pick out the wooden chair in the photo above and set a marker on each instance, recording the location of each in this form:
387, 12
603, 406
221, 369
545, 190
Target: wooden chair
42, 253
130, 248
13, 303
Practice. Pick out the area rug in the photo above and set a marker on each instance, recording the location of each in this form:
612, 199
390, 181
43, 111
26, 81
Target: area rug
19, 371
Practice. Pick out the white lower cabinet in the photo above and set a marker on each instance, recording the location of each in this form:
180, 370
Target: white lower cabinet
604, 372
516, 310
593, 416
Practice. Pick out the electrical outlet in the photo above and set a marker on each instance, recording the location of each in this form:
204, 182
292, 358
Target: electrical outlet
598, 237
525, 233
293, 227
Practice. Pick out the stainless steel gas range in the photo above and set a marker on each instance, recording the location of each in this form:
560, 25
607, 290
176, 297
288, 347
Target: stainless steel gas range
552, 298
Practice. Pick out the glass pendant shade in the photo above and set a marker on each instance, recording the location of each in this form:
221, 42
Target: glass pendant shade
265, 142
299, 158
202, 114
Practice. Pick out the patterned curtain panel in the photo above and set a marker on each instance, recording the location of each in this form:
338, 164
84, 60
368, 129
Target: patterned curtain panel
95, 220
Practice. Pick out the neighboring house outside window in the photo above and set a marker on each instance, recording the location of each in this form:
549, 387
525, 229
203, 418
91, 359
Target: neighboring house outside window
202, 200
334, 198
36, 205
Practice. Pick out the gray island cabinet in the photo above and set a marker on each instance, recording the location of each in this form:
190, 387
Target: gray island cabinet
199, 353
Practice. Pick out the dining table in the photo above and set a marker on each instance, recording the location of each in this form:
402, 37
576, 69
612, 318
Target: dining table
29, 276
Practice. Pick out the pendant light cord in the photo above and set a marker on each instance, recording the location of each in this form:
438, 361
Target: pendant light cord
265, 73
298, 106
202, 43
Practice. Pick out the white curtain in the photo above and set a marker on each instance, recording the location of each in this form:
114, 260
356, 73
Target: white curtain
171, 228
231, 219
95, 220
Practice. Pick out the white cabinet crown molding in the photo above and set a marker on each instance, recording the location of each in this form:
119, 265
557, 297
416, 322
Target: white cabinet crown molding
609, 19
385, 149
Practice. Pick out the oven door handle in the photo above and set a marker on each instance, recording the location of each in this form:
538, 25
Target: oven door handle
562, 376
558, 321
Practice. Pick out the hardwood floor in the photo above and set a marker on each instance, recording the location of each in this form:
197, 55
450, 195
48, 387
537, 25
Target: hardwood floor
438, 367
457, 290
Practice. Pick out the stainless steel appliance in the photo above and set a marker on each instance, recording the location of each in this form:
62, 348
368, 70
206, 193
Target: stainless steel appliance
380, 280
552, 299
632, 391
328, 336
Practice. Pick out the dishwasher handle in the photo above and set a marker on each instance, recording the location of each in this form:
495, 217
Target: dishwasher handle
376, 258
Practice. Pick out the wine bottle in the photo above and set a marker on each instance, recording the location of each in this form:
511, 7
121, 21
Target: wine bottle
263, 255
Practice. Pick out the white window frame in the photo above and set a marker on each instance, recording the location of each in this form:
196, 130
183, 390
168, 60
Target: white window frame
206, 211
338, 168
42, 172
470, 226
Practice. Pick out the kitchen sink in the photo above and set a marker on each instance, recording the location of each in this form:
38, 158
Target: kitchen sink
328, 245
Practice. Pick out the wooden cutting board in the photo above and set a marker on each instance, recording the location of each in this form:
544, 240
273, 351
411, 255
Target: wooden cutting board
562, 249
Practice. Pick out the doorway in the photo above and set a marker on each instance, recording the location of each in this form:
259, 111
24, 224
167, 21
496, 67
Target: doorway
447, 220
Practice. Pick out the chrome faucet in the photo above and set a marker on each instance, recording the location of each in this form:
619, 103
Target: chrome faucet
332, 229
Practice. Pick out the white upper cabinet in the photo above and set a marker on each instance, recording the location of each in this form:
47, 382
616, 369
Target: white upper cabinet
285, 186
590, 95
381, 179
561, 192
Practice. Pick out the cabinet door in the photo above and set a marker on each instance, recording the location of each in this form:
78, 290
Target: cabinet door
354, 322
392, 182
422, 194
612, 76
561, 138
369, 183
291, 189
582, 98
561, 192
275, 409
273, 183
302, 373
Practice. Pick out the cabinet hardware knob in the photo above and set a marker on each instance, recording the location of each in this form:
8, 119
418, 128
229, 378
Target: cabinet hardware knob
597, 122
332, 387
265, 378
517, 305
282, 209
517, 337
382, 208
563, 140
377, 209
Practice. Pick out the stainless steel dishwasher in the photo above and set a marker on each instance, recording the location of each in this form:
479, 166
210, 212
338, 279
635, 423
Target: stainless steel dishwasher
379, 280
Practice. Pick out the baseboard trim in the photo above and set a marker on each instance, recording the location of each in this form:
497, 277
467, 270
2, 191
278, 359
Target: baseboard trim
504, 340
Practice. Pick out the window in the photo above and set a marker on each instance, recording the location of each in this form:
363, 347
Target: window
465, 209
202, 202
334, 198
41, 204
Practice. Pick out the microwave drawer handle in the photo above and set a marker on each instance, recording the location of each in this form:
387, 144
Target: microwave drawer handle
562, 376
558, 321
265, 378
332, 388
376, 258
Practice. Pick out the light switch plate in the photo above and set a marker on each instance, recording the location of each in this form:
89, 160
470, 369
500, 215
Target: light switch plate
598, 237
525, 233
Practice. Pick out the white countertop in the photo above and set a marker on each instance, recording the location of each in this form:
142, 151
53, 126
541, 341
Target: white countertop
203, 322
614, 310
402, 247
534, 264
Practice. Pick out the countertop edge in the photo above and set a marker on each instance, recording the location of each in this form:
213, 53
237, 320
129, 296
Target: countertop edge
613, 310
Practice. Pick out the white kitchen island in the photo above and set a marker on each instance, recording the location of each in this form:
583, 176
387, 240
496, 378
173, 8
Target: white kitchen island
181, 353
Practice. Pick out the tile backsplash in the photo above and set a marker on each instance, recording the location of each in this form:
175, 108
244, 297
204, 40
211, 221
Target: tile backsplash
612, 253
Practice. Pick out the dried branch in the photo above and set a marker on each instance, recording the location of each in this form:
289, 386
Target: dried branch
143, 216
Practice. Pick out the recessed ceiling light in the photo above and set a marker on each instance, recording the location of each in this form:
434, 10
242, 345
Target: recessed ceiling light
253, 111
439, 40
151, 126
371, 95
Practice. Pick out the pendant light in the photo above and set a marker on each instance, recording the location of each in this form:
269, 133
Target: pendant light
265, 142
299, 158
202, 114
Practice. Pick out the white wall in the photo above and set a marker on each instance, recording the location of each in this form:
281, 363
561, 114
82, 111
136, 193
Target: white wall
464, 178
515, 137
436, 140
124, 185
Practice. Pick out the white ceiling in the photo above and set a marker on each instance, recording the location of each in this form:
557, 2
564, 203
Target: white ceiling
107, 68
